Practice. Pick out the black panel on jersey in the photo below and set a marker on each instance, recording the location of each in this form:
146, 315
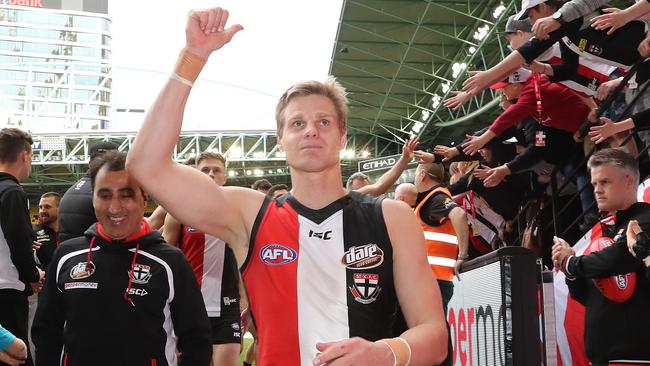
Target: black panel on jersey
363, 223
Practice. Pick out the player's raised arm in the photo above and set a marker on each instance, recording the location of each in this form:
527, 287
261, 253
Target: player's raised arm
149, 159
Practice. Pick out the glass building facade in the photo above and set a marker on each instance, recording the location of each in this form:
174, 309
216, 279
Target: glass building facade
55, 72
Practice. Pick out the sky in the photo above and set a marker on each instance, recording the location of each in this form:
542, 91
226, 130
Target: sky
283, 41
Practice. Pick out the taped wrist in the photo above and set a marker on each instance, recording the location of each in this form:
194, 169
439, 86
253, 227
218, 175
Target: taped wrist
400, 348
188, 67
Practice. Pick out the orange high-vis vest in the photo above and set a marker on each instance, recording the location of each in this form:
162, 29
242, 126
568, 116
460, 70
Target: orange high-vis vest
441, 242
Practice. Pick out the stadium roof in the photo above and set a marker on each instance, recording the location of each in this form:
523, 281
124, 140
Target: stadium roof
399, 59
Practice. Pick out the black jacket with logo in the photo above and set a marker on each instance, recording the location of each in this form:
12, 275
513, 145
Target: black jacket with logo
49, 240
136, 303
613, 330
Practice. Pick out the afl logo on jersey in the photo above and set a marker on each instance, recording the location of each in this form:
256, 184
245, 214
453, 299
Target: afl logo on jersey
363, 257
277, 254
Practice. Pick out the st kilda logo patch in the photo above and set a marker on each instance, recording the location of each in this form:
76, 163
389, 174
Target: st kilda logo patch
82, 270
363, 257
141, 274
366, 287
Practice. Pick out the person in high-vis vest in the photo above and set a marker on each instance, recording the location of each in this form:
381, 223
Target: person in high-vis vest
445, 230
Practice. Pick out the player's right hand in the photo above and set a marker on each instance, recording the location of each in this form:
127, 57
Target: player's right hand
206, 31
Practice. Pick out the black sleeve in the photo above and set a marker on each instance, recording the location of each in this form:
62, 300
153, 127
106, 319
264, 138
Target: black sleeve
190, 318
462, 156
461, 186
613, 260
18, 233
529, 157
569, 66
578, 289
641, 120
436, 209
535, 47
47, 329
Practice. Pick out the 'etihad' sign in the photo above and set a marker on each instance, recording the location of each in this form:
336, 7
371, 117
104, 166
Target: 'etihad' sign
385, 162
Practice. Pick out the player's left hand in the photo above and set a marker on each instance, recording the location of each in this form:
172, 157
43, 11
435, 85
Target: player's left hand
354, 351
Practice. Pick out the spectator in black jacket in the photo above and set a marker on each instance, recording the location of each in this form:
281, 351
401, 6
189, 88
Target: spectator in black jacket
120, 295
76, 212
17, 266
47, 229
616, 322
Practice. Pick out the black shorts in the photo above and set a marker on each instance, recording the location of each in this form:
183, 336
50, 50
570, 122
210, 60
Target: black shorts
226, 329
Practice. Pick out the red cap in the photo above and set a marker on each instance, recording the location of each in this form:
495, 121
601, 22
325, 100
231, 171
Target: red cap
499, 85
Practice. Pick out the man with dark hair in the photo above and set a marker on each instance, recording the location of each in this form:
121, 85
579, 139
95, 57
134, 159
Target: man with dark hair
76, 212
120, 295
17, 265
47, 229
262, 185
609, 281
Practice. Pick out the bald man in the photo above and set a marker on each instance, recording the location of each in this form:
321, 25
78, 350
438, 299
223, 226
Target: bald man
406, 192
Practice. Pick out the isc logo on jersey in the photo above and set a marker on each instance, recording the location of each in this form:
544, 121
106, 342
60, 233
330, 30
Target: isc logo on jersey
277, 254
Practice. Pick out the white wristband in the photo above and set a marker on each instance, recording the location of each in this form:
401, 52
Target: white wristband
401, 350
174, 76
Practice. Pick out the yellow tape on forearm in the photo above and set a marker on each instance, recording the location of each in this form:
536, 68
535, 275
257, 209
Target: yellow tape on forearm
188, 67
400, 348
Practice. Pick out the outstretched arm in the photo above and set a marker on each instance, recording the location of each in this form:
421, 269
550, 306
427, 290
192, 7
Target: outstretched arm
614, 19
149, 160
481, 80
389, 178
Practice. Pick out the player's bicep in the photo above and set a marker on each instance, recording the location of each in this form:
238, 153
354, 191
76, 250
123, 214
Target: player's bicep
195, 199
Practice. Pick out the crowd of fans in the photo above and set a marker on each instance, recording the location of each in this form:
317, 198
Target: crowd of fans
575, 82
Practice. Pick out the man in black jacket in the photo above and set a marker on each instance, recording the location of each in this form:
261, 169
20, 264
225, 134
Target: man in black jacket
17, 266
616, 317
120, 295
76, 212
47, 229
